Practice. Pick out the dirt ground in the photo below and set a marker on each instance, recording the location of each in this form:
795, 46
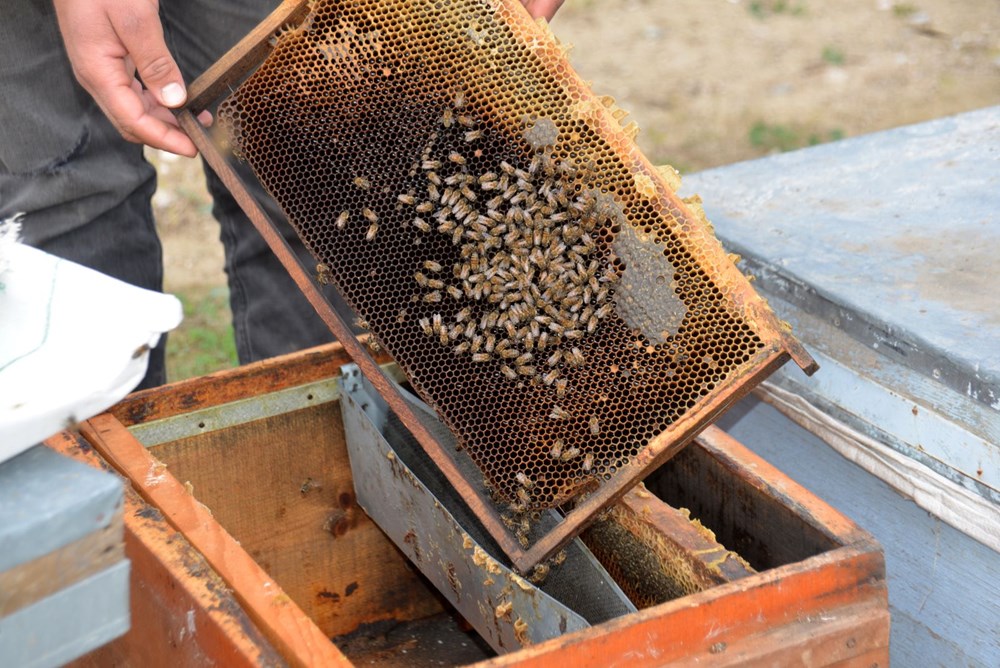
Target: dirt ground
712, 82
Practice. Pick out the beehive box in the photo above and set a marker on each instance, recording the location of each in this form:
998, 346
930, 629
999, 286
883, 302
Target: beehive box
248, 547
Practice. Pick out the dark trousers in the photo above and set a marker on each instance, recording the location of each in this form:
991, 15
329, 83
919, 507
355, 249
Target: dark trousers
85, 192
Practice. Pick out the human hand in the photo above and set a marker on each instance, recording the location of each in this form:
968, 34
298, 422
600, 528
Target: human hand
542, 8
108, 43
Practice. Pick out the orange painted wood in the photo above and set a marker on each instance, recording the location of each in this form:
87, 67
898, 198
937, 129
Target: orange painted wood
729, 613
760, 475
182, 614
296, 514
229, 385
284, 623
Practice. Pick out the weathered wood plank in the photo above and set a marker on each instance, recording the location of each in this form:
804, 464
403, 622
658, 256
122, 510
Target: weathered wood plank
231, 384
296, 514
728, 614
295, 636
34, 580
234, 65
182, 613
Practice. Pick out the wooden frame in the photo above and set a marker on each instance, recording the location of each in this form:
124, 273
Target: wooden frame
780, 345
819, 595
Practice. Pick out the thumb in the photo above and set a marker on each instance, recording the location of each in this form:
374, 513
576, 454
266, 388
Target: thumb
141, 34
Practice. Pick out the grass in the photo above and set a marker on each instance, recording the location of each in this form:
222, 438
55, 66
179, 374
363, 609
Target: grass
833, 55
775, 138
761, 9
204, 342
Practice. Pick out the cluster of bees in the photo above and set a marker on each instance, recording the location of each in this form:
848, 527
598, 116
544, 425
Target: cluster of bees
530, 281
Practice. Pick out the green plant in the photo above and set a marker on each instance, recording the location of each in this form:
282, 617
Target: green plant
204, 342
833, 55
764, 8
779, 138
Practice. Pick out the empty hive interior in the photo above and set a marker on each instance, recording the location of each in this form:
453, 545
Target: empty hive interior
499, 233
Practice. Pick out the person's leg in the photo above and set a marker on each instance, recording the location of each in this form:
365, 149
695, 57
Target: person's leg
83, 190
270, 314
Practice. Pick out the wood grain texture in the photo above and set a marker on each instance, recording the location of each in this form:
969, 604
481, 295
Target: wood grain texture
728, 616
182, 612
268, 375
34, 580
282, 486
247, 54
281, 620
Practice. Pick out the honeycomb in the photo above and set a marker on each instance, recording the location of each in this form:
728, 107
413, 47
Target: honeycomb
497, 230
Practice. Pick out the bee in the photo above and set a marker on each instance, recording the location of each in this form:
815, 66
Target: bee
436, 322
508, 353
425, 325
430, 164
526, 370
588, 462
372, 231
432, 297
595, 425
323, 275
524, 359
576, 357
456, 158
468, 194
463, 315
561, 387
466, 121
557, 450
342, 219
433, 192
369, 215
490, 344
570, 454
524, 481
421, 225
522, 538
507, 167
559, 413
425, 207
447, 118
481, 357
406, 198
459, 101
421, 279
454, 292
461, 348
435, 284
477, 339
494, 203
592, 323
456, 331
573, 334
523, 495
443, 336
538, 575
551, 377
446, 226
473, 135
509, 373
456, 236
362, 182
434, 178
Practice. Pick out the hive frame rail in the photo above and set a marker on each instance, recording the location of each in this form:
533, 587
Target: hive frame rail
225, 75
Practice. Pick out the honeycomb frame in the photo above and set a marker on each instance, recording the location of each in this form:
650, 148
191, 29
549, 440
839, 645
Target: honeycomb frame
634, 360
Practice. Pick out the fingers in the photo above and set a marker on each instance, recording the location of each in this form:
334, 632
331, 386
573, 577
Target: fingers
542, 8
137, 25
108, 41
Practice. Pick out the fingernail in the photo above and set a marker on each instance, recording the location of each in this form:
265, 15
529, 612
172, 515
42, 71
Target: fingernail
173, 95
